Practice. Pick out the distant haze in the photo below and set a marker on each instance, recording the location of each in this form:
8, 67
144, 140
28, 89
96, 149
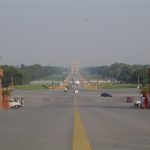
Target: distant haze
57, 32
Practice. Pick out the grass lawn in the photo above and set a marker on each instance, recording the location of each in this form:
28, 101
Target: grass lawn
31, 87
100, 86
116, 86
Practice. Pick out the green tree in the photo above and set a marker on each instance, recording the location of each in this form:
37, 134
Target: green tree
12, 74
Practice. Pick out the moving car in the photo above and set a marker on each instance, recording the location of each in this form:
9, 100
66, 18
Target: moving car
106, 94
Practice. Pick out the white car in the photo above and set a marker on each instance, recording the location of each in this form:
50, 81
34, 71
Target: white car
138, 103
76, 91
14, 103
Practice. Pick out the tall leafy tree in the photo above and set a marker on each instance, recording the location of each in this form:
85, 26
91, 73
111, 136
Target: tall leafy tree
12, 75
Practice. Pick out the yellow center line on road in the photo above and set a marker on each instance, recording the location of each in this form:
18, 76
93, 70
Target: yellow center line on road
80, 137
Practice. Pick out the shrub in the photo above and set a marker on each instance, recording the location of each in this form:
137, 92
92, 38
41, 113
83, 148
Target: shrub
6, 92
144, 91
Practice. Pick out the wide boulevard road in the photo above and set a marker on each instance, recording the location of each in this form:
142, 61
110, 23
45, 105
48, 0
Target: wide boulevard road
55, 120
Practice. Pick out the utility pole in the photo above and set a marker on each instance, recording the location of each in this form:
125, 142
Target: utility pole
138, 86
96, 80
12, 82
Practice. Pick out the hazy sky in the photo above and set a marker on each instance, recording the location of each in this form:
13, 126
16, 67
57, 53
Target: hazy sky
56, 32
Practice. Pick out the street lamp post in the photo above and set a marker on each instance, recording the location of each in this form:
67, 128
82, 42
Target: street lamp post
149, 80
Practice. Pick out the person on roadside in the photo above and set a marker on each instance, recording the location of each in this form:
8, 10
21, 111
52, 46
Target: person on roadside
142, 101
145, 102
22, 101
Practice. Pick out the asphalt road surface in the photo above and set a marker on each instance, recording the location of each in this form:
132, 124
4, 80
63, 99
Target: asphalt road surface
54, 120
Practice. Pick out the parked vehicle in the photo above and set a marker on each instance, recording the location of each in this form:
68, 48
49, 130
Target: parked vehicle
138, 103
14, 103
106, 94
76, 91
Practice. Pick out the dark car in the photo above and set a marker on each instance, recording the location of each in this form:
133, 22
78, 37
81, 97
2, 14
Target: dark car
106, 95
